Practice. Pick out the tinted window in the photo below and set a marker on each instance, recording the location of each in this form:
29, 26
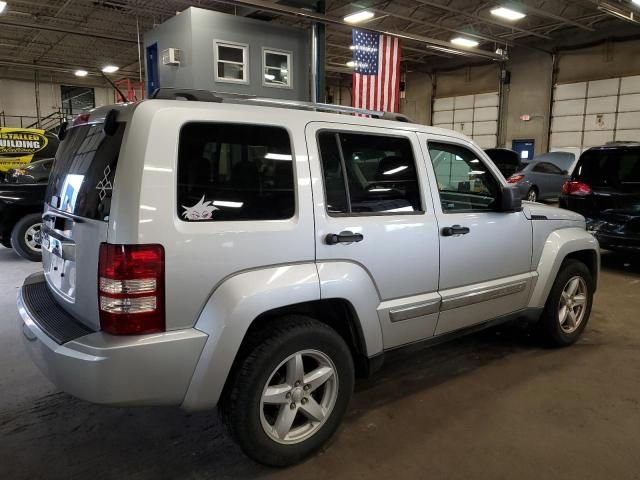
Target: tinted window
544, 167
615, 168
81, 180
380, 173
234, 172
464, 182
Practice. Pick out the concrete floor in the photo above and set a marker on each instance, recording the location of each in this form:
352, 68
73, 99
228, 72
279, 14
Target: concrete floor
493, 405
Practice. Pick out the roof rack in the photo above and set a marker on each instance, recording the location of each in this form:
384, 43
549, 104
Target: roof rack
236, 98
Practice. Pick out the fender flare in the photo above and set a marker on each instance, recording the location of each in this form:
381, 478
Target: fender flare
228, 314
240, 299
558, 245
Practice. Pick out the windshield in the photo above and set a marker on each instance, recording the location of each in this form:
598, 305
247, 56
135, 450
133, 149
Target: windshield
81, 181
613, 168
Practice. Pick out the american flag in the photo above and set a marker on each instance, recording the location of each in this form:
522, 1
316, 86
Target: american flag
376, 74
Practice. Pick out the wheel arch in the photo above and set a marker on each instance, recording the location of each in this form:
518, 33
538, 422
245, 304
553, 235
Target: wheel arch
561, 244
251, 299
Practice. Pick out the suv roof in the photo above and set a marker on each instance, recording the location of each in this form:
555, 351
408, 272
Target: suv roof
306, 110
613, 145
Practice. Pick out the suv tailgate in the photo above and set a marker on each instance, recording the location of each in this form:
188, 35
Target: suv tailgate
76, 216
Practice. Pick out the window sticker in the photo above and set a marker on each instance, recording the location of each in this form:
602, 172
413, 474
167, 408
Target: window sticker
203, 210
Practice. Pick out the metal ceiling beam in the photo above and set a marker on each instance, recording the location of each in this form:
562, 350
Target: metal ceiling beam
6, 62
431, 43
488, 38
81, 33
615, 11
429, 3
544, 13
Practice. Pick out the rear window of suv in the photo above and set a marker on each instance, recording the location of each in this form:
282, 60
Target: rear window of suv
81, 180
233, 172
613, 168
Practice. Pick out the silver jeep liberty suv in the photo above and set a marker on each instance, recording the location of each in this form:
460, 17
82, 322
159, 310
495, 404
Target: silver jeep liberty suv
238, 254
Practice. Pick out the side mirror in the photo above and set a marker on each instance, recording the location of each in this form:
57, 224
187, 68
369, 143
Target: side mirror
510, 200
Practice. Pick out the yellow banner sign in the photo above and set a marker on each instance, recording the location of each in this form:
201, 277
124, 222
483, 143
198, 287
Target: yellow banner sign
18, 145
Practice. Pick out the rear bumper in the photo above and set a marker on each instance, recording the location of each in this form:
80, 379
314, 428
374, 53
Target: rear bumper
117, 370
621, 243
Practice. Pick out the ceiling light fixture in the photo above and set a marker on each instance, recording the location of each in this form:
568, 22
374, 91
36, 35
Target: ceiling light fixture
81, 73
637, 2
109, 69
464, 42
3, 5
507, 13
358, 17
351, 64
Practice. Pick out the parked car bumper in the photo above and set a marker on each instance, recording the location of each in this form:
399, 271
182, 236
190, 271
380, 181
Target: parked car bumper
621, 243
150, 369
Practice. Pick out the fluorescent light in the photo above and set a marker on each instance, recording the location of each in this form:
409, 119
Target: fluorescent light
109, 69
464, 42
637, 2
353, 47
268, 76
81, 73
359, 16
277, 156
508, 13
395, 170
351, 64
3, 5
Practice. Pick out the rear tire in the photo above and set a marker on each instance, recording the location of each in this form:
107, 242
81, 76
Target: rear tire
25, 237
271, 400
568, 306
532, 195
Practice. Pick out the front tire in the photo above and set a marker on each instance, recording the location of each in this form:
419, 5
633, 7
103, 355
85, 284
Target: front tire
288, 393
26, 237
568, 307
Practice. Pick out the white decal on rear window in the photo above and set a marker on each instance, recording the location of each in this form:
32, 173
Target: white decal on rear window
200, 211
104, 184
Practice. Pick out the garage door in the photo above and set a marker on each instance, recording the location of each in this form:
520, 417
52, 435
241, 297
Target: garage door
589, 114
473, 115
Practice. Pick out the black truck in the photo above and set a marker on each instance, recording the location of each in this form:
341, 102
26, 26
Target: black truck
21, 208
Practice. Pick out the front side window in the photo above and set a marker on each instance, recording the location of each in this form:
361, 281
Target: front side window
368, 174
231, 62
230, 172
277, 68
464, 182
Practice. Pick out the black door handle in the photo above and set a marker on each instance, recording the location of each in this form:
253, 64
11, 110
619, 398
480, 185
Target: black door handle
454, 230
343, 237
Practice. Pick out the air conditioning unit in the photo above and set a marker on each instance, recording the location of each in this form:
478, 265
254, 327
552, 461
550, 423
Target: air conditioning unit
171, 56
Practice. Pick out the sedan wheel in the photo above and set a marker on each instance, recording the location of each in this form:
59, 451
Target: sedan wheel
532, 195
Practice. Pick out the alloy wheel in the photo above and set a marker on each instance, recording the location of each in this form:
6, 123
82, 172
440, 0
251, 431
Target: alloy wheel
572, 305
298, 397
33, 237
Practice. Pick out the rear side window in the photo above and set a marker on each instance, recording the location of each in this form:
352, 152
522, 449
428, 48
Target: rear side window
544, 167
613, 168
81, 180
368, 174
231, 172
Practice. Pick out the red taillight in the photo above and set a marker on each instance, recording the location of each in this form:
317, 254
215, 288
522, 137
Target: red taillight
81, 119
576, 188
131, 288
515, 178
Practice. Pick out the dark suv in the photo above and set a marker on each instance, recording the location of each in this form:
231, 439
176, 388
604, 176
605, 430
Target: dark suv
605, 188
